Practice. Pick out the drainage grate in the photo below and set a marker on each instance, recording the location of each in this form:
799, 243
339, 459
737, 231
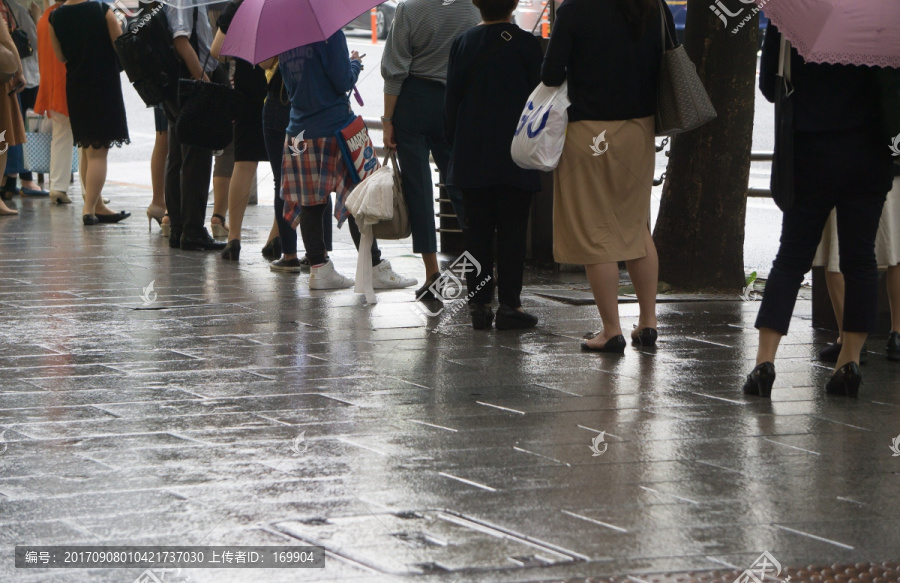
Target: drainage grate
858, 573
426, 542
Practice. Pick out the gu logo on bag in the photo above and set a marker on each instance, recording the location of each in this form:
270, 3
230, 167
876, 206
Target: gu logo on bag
529, 119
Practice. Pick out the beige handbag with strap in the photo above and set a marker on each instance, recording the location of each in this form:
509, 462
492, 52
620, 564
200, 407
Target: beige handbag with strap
398, 227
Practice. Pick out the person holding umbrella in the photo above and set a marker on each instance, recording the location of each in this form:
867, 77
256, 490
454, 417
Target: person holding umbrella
318, 77
839, 161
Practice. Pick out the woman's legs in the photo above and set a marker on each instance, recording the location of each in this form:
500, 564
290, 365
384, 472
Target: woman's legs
158, 168
834, 281
311, 231
644, 274
481, 208
893, 287
94, 179
61, 153
512, 209
238, 196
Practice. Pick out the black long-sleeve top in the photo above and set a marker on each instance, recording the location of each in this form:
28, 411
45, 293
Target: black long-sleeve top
483, 112
826, 97
612, 74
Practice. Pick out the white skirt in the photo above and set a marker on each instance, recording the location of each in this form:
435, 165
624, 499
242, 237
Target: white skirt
887, 243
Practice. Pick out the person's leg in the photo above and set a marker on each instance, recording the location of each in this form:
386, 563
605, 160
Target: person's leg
195, 174
238, 196
158, 168
513, 208
223, 170
801, 230
604, 280
94, 181
857, 223
644, 274
411, 127
893, 287
328, 224
311, 231
60, 154
174, 163
275, 122
482, 207
834, 281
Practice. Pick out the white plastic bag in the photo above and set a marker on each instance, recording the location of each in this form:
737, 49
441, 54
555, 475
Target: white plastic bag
371, 202
539, 140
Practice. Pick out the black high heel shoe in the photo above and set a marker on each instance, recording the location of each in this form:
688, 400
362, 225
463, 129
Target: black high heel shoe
845, 381
232, 250
645, 337
615, 345
760, 380
482, 316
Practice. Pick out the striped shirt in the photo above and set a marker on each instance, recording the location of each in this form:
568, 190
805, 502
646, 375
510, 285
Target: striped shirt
419, 42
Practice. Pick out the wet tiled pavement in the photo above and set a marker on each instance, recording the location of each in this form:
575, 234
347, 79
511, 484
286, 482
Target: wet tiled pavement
240, 408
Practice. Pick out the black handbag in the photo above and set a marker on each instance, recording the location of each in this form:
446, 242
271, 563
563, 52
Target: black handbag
782, 184
207, 114
19, 37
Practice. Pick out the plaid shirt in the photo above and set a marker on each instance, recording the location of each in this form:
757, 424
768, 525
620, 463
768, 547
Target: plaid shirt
309, 177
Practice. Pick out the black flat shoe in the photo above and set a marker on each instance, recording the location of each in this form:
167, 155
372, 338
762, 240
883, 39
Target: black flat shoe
615, 345
892, 348
232, 250
114, 218
201, 243
424, 294
645, 337
272, 250
512, 319
760, 380
831, 353
482, 316
845, 381
90, 220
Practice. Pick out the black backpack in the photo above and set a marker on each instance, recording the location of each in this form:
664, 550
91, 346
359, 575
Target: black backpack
148, 57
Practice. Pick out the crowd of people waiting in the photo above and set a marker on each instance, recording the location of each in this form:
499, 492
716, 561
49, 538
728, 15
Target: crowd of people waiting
456, 78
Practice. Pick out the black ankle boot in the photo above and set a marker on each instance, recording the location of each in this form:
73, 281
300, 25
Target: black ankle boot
760, 380
512, 319
845, 381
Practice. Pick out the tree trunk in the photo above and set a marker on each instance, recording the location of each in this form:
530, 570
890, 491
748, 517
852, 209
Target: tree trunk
700, 229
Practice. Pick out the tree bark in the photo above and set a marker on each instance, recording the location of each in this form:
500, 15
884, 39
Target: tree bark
700, 229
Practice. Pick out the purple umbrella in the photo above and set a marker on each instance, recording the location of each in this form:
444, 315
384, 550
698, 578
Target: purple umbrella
262, 29
849, 32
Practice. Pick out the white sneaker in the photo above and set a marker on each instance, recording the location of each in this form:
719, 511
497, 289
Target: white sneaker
326, 277
383, 277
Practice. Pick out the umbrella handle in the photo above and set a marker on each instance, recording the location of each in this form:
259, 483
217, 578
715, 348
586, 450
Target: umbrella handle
358, 97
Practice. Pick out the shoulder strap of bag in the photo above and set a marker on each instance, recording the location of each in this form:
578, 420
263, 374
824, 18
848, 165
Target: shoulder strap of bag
482, 59
664, 33
9, 11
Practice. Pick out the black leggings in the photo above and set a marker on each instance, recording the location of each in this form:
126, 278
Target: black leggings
314, 235
846, 170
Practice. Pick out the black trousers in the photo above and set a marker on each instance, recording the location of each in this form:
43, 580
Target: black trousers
313, 233
846, 170
504, 210
188, 171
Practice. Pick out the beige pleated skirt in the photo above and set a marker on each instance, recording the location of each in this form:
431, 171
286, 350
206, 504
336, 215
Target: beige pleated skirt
887, 243
601, 195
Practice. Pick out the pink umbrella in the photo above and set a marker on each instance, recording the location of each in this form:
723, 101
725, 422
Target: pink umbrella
848, 32
262, 29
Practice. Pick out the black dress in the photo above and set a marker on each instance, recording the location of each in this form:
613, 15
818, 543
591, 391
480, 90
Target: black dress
93, 86
250, 86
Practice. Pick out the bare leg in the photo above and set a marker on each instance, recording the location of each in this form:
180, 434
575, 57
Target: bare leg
431, 264
851, 348
893, 286
158, 168
221, 185
239, 196
835, 282
94, 181
768, 345
604, 280
644, 274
